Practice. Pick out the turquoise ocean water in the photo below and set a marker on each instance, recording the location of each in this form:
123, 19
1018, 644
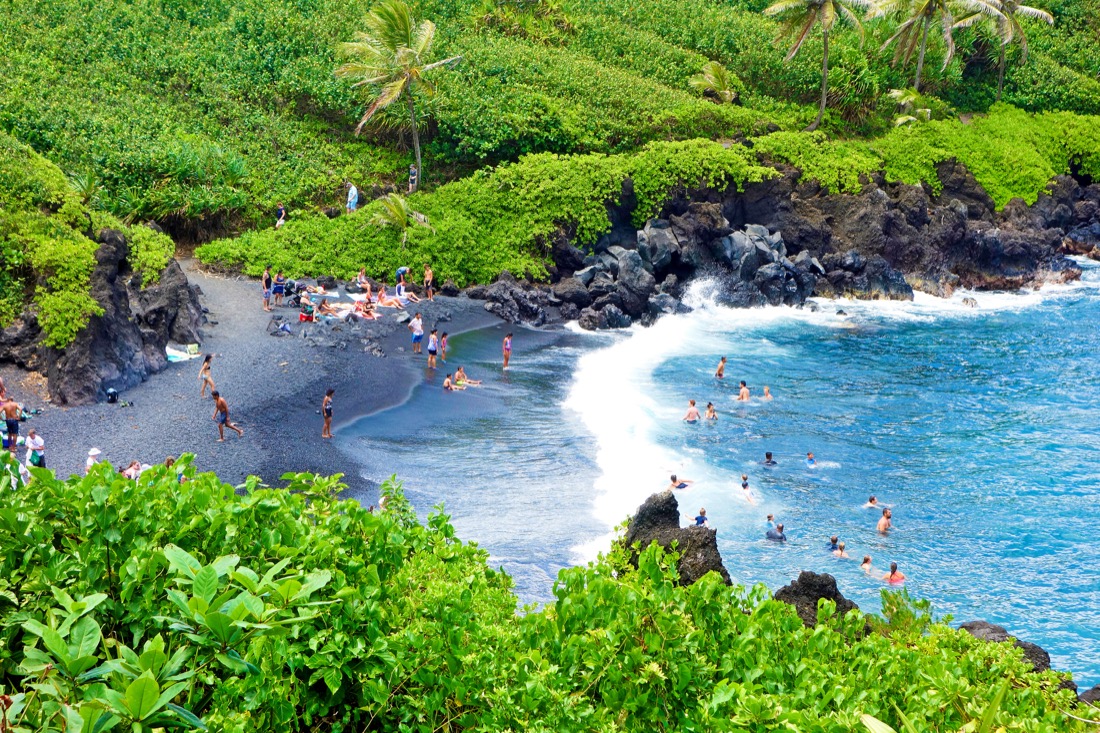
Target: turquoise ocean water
979, 425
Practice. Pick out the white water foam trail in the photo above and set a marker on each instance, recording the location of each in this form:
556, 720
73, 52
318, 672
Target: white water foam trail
612, 387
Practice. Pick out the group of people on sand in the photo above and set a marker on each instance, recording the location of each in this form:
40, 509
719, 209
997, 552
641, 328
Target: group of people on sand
776, 531
221, 407
314, 301
13, 414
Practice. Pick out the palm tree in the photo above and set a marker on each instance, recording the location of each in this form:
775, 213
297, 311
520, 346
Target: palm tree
391, 55
800, 17
912, 34
717, 81
397, 213
1008, 29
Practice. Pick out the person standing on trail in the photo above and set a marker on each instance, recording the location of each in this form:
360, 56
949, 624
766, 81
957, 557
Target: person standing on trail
353, 198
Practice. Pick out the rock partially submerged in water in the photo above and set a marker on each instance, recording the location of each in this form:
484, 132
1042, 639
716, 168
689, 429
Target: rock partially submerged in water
658, 520
1033, 653
809, 588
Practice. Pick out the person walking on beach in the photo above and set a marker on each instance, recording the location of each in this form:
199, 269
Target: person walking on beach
433, 348
721, 371
692, 413
221, 416
205, 376
507, 347
884, 523
416, 326
743, 394
353, 198
326, 412
443, 348
11, 420
36, 449
429, 281
267, 284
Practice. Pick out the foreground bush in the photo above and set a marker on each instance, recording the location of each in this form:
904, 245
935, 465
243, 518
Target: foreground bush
159, 604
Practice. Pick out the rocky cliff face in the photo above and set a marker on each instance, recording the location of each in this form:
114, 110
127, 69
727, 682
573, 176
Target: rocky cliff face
784, 240
658, 520
125, 345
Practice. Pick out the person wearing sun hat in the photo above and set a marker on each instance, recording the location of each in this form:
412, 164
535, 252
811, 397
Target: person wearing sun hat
93, 458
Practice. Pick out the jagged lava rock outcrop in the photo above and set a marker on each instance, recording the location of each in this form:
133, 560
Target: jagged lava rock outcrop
120, 348
809, 588
658, 520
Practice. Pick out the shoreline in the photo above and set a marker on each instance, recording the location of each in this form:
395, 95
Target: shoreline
273, 387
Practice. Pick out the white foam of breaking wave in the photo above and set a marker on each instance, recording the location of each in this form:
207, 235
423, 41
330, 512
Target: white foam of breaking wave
612, 387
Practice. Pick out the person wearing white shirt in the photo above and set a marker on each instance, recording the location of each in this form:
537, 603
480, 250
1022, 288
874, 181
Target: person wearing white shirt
36, 449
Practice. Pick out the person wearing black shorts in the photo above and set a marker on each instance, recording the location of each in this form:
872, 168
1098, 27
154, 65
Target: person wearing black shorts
326, 411
11, 419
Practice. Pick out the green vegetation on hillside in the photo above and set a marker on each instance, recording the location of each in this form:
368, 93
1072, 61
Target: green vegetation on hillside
503, 218
47, 253
158, 604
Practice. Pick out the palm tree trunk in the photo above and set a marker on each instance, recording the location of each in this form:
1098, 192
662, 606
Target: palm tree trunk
923, 47
416, 138
1001, 73
824, 83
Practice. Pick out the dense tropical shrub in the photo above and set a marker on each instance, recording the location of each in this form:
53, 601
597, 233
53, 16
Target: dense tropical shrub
178, 603
46, 251
494, 220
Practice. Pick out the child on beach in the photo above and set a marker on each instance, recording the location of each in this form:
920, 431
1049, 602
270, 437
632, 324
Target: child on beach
326, 412
462, 380
433, 348
443, 347
507, 349
450, 386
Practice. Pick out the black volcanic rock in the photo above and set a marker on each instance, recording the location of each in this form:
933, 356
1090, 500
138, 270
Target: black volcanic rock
807, 590
658, 520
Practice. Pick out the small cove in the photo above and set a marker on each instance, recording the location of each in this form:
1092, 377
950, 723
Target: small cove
978, 425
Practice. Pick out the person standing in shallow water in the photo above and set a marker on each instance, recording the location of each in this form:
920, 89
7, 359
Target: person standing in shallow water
221, 416
743, 394
205, 377
326, 412
692, 413
433, 348
507, 348
720, 373
884, 523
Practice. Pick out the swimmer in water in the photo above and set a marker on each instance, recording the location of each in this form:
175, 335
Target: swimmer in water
884, 523
810, 460
874, 503
776, 534
748, 493
711, 414
721, 372
771, 521
767, 392
692, 413
450, 386
768, 460
833, 543
679, 483
839, 552
894, 577
743, 395
865, 566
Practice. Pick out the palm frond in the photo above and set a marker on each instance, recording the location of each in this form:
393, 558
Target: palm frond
390, 93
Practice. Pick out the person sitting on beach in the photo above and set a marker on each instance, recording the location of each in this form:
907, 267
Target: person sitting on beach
839, 552
306, 313
701, 520
865, 566
894, 577
404, 295
678, 483
462, 379
884, 522
720, 373
387, 302
692, 413
711, 414
743, 394
325, 309
133, 470
775, 534
767, 393
832, 543
365, 309
810, 460
450, 386
769, 461
362, 281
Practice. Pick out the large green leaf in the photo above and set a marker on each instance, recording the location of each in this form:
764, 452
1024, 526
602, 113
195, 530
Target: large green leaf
182, 561
85, 637
221, 626
141, 696
205, 583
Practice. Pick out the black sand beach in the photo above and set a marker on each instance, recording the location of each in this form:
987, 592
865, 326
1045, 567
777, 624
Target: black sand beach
273, 386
